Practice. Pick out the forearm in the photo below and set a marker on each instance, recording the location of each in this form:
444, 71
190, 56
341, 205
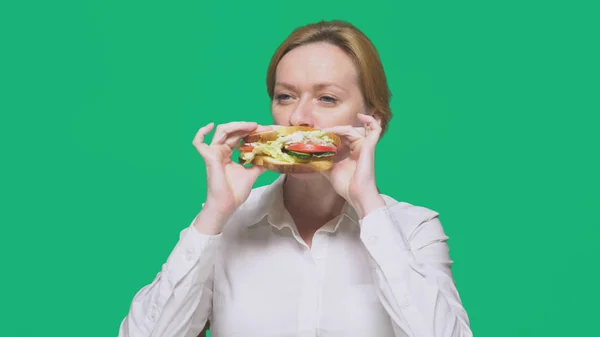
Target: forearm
413, 276
210, 221
156, 311
367, 202
422, 303
180, 293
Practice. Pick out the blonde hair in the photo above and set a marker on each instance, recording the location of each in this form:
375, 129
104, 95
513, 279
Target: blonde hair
358, 47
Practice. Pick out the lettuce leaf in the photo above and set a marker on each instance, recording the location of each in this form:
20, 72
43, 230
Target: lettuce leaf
274, 148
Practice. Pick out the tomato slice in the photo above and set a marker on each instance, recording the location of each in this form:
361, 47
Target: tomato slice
246, 148
310, 148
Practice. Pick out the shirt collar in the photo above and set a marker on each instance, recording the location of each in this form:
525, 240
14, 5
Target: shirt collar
273, 209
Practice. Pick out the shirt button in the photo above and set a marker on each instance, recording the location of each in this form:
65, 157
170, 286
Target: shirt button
190, 254
404, 301
373, 239
153, 314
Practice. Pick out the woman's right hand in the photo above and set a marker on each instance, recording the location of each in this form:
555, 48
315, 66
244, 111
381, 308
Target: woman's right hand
229, 183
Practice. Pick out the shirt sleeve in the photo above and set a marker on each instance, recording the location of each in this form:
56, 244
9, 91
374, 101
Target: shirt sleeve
178, 301
412, 270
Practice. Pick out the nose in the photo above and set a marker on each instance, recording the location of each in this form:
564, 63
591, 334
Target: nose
302, 115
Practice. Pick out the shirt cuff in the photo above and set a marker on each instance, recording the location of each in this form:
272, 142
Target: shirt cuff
381, 224
194, 249
385, 242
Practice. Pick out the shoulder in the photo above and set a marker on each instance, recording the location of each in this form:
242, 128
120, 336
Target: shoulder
408, 209
419, 225
409, 216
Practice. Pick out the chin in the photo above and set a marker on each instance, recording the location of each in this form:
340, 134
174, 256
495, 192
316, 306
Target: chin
305, 176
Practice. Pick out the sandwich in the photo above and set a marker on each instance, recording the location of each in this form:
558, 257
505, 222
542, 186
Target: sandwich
290, 149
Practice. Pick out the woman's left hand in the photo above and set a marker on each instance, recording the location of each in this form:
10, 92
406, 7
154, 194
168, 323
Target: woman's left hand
353, 176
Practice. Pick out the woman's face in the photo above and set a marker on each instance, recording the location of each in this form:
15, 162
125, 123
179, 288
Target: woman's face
317, 85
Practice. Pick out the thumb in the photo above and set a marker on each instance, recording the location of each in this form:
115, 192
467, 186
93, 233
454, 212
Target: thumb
255, 171
366, 159
209, 157
373, 130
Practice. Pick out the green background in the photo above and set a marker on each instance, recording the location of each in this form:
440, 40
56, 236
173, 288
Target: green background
495, 127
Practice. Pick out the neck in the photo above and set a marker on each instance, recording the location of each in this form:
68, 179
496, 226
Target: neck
311, 202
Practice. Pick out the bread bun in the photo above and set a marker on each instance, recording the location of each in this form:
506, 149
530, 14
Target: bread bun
314, 165
278, 131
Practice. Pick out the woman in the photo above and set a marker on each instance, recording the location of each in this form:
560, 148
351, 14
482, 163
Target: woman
320, 254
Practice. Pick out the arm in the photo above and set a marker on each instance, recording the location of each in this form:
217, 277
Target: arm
178, 301
412, 269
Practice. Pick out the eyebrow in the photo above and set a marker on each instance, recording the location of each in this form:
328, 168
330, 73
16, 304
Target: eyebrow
316, 86
286, 85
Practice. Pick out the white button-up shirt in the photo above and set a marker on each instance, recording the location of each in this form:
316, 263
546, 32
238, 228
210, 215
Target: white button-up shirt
387, 275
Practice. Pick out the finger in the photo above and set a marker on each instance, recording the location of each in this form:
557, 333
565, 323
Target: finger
264, 128
351, 138
224, 130
198, 141
255, 171
342, 154
202, 132
233, 139
346, 131
372, 127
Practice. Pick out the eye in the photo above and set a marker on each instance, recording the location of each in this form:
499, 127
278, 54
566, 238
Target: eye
283, 97
328, 99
